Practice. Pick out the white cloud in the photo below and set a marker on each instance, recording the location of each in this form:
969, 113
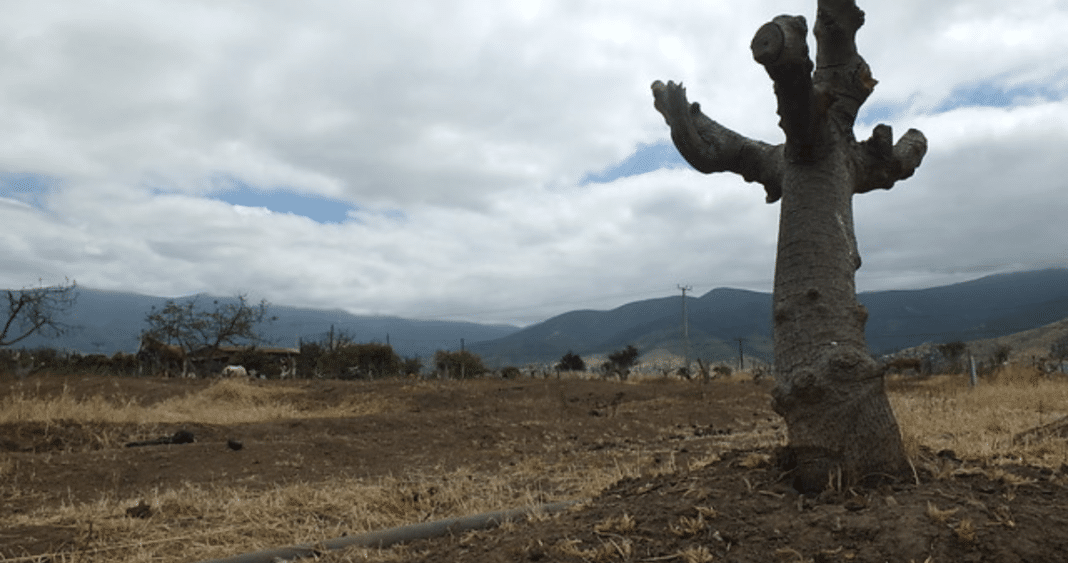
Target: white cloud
460, 132
989, 197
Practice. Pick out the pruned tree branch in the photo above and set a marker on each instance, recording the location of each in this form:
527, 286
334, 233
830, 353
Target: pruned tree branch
837, 22
883, 164
710, 147
817, 109
780, 46
843, 79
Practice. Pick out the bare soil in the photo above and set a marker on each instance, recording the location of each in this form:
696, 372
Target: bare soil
732, 511
739, 508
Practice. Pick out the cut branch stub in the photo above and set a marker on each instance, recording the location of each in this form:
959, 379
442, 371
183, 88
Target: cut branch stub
884, 164
780, 43
843, 80
837, 22
767, 44
670, 100
780, 46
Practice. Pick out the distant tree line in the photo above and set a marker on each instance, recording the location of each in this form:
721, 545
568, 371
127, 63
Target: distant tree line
228, 333
189, 337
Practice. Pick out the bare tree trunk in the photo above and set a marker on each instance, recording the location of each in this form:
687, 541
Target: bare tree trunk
828, 388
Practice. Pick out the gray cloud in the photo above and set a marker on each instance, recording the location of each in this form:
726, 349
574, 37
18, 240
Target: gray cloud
460, 133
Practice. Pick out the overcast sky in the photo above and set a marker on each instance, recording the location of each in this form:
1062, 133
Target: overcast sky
490, 160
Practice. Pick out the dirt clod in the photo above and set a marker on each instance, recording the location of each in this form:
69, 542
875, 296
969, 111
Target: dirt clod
142, 510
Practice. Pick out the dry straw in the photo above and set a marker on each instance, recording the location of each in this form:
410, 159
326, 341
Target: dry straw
945, 413
192, 522
228, 401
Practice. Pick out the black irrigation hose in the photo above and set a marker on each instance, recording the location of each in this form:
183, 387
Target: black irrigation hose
384, 538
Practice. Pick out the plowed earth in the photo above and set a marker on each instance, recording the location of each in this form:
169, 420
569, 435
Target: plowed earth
739, 508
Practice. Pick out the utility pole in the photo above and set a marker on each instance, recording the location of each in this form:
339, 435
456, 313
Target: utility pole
741, 356
685, 327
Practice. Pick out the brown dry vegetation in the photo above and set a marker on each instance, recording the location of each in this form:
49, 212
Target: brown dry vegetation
981, 423
678, 471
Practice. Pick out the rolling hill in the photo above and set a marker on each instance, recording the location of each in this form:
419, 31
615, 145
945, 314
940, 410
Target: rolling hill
988, 307
108, 321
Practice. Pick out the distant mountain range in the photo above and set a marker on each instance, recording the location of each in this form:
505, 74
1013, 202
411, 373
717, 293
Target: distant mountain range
988, 307
109, 321
716, 320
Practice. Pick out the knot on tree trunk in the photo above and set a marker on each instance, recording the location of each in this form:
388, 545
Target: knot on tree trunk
846, 364
845, 436
833, 379
837, 416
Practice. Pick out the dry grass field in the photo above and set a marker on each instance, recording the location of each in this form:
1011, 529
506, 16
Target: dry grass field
677, 471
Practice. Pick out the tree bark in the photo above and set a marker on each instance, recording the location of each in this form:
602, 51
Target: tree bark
828, 388
840, 425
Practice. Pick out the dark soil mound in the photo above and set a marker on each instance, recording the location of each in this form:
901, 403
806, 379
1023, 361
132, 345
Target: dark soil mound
739, 509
